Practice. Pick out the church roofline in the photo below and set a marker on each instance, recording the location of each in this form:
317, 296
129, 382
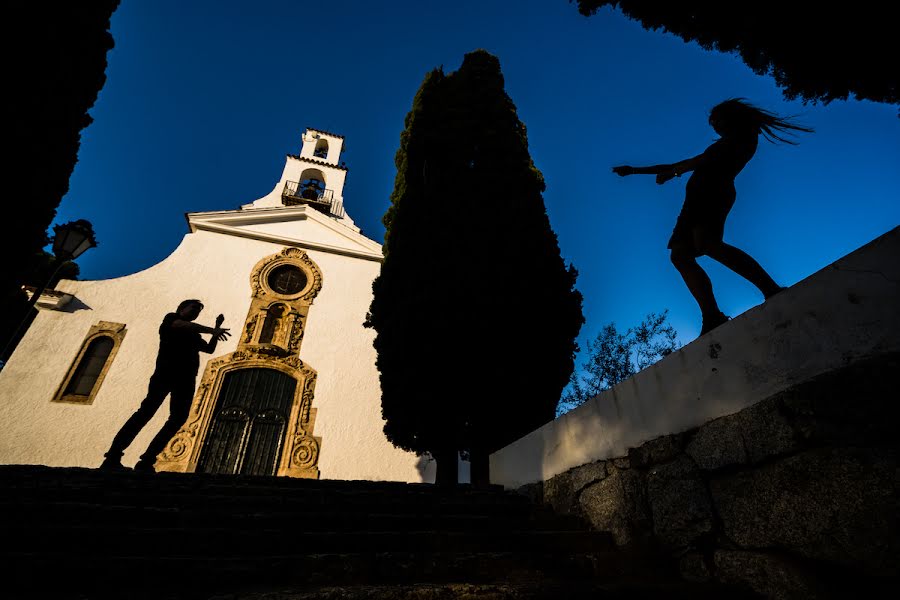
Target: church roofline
337, 135
316, 162
228, 221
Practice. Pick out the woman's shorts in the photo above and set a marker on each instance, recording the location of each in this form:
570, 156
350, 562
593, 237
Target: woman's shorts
706, 212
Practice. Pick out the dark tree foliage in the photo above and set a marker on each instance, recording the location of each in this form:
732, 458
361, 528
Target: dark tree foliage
614, 357
54, 71
816, 51
475, 311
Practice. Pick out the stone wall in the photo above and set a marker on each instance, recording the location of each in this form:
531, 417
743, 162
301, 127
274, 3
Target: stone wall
797, 496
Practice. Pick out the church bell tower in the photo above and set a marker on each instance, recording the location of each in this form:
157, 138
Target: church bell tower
314, 177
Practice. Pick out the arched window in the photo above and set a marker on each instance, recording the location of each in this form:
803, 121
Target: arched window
312, 184
86, 373
272, 323
88, 369
321, 150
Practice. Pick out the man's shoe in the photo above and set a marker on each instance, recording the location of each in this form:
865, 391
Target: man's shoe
144, 467
111, 464
712, 321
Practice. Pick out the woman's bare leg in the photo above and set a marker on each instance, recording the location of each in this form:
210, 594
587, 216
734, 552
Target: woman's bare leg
696, 279
744, 265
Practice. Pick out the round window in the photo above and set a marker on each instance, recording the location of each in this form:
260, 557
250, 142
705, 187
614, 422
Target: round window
287, 279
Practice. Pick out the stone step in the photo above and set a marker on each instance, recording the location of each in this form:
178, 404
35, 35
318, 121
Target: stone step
285, 503
544, 590
168, 485
549, 590
41, 477
249, 517
99, 540
80, 531
158, 576
169, 489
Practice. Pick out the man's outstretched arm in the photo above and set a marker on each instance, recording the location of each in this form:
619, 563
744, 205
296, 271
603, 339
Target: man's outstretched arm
218, 332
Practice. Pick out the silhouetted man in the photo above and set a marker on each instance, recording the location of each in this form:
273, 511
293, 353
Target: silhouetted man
180, 345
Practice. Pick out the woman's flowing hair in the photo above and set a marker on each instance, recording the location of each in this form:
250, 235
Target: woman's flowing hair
737, 112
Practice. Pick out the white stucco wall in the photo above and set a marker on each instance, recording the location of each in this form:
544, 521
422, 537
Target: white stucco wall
214, 267
310, 141
846, 311
305, 230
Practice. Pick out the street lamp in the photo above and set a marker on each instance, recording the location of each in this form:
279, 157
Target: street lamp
70, 242
72, 239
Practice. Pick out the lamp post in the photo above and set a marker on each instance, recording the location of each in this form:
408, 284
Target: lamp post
70, 241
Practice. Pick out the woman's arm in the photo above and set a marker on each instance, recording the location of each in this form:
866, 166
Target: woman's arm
663, 172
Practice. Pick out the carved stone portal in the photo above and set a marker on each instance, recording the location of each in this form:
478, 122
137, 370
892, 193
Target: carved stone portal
283, 286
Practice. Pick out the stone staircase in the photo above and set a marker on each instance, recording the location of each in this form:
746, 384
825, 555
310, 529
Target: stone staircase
81, 533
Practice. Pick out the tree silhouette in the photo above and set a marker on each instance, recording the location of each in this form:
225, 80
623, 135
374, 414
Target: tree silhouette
475, 311
815, 51
52, 79
614, 357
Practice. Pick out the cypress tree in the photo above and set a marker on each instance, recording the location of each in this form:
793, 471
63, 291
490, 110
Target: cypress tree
476, 313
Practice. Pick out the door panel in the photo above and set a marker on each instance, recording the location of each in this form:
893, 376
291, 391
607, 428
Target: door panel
249, 422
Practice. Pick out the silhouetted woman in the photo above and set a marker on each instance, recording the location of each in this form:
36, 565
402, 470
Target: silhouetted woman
709, 196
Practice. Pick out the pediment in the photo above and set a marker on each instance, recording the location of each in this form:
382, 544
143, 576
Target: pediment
299, 226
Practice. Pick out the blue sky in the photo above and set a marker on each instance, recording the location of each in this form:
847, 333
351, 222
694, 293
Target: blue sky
204, 99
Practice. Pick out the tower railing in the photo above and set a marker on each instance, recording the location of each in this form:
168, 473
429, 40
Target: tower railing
323, 200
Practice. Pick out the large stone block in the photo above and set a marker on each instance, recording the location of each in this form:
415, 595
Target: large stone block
585, 475
562, 491
693, 566
718, 444
840, 505
679, 503
766, 432
855, 405
618, 505
558, 493
662, 449
750, 436
771, 576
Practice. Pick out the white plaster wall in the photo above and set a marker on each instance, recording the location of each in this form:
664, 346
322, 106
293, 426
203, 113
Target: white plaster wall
216, 269
847, 311
306, 230
335, 147
42, 432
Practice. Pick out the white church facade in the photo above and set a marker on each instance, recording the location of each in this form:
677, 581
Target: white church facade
294, 392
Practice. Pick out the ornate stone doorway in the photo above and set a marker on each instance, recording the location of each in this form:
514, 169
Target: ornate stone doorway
249, 423
253, 413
